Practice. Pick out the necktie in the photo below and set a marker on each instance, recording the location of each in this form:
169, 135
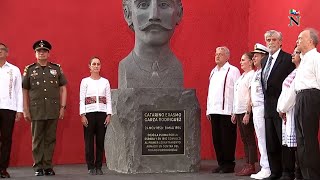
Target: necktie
266, 72
155, 75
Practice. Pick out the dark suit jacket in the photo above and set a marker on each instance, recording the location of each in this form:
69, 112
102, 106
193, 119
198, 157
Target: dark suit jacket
280, 70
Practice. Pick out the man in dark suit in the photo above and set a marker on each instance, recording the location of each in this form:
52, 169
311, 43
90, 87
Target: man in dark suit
275, 68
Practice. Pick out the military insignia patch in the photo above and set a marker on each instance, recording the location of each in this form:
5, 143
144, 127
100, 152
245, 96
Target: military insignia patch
53, 72
34, 73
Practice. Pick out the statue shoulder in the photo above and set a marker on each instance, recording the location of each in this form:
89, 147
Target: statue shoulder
127, 59
176, 62
126, 62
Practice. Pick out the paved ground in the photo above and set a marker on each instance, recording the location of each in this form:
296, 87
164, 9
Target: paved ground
79, 172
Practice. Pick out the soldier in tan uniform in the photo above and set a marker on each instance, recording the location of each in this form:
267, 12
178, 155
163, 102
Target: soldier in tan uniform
44, 94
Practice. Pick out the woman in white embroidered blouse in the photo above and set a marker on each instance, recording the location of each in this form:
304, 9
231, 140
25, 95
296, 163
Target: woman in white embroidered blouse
285, 107
95, 112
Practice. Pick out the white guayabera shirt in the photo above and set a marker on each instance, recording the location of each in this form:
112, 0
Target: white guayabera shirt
10, 88
220, 93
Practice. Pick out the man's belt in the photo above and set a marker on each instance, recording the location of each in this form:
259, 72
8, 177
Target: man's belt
306, 90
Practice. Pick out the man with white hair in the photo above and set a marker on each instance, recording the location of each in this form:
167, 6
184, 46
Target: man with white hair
219, 109
307, 111
275, 68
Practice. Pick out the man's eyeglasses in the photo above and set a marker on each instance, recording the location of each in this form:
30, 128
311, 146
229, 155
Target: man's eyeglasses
3, 49
295, 52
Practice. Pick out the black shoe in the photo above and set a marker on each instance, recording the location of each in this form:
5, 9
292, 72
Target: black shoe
298, 178
287, 176
226, 170
272, 177
38, 172
4, 174
92, 172
216, 170
49, 172
99, 171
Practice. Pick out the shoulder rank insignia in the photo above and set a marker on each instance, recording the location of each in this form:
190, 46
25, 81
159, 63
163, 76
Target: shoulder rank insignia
26, 69
55, 64
58, 66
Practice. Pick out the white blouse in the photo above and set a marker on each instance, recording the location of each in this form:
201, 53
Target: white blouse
95, 96
286, 103
10, 88
241, 93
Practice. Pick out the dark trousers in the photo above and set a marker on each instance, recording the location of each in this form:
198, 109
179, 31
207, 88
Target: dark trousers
307, 111
248, 139
288, 160
94, 132
43, 142
7, 118
224, 136
298, 173
273, 142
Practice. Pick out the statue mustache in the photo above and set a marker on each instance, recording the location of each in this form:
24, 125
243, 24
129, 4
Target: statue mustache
149, 25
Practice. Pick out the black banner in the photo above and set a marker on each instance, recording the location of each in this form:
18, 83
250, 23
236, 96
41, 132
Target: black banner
163, 132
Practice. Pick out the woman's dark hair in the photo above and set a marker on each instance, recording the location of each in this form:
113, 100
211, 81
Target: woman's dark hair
94, 57
249, 55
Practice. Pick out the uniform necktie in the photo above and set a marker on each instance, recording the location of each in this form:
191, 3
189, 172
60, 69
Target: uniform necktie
266, 72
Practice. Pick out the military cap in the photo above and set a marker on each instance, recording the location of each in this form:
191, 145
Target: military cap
42, 44
259, 48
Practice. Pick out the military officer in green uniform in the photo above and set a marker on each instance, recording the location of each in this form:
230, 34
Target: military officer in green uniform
44, 95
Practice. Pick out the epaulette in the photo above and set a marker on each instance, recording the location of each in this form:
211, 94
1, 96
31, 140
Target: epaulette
27, 67
55, 64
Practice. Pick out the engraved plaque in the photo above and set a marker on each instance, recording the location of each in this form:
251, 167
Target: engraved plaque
163, 132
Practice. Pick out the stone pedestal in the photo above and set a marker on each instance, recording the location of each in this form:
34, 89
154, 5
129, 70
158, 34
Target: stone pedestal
124, 137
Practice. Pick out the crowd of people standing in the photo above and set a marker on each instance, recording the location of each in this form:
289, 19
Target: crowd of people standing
278, 101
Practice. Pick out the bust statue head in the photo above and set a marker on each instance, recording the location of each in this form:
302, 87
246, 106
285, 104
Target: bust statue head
153, 21
151, 64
